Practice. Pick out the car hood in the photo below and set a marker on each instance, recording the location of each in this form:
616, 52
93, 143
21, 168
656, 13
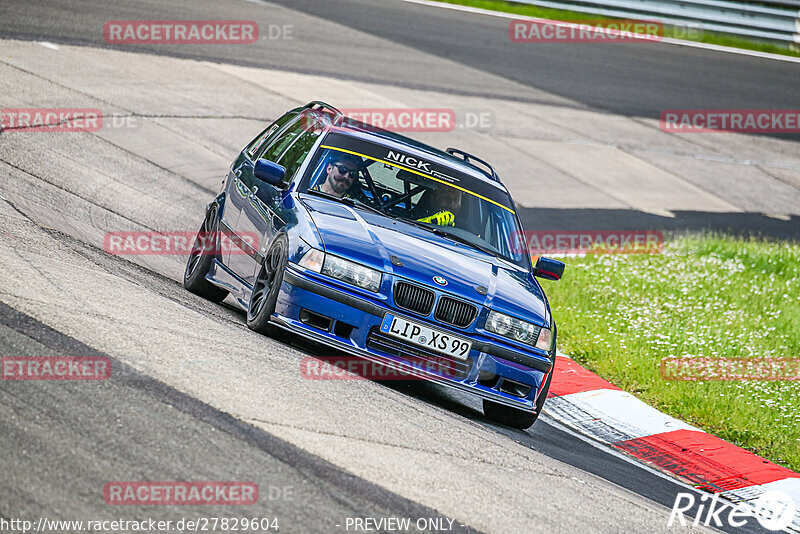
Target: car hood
372, 239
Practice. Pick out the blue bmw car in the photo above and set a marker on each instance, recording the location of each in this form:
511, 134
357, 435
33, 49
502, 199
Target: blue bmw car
388, 249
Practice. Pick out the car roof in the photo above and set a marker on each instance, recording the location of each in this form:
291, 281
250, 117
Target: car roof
367, 132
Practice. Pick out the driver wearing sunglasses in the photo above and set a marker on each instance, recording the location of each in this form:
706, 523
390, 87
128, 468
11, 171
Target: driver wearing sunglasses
341, 171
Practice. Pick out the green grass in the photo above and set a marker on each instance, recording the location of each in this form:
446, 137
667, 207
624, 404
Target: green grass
669, 31
703, 296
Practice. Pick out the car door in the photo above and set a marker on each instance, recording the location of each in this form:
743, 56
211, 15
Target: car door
260, 218
241, 180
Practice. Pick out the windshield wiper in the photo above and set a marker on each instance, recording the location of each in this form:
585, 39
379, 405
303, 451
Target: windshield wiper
453, 237
352, 202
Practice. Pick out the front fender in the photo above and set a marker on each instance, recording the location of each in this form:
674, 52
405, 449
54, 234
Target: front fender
220, 202
303, 234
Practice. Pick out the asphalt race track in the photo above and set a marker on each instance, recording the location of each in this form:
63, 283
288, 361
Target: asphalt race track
408, 45
639, 81
194, 394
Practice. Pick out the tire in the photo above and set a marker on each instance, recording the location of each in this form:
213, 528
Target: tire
505, 415
267, 286
200, 259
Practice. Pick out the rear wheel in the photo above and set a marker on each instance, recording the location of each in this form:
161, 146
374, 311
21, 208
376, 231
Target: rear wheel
505, 415
267, 286
200, 259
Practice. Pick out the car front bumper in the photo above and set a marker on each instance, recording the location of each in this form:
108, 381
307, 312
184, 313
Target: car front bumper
492, 372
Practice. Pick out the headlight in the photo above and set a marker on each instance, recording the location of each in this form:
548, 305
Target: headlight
513, 328
352, 273
341, 269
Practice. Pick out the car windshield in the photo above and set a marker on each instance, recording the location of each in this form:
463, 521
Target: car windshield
439, 198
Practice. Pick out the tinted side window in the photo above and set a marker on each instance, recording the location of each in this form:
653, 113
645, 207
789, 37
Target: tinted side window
293, 158
265, 137
283, 140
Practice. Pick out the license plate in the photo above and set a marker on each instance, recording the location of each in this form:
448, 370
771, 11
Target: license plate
424, 336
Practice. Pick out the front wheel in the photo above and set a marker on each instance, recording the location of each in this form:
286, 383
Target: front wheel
267, 286
505, 415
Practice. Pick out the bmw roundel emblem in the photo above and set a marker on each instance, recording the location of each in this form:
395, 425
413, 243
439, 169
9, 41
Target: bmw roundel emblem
439, 280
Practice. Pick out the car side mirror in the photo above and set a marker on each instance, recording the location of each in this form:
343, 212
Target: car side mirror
270, 172
548, 268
